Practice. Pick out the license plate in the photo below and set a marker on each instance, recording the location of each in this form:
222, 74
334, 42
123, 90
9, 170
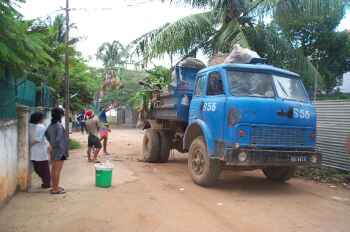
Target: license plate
299, 159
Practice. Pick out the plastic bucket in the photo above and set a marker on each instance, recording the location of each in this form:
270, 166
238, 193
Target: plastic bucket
103, 176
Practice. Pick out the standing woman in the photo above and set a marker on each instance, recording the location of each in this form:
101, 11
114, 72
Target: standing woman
58, 140
39, 154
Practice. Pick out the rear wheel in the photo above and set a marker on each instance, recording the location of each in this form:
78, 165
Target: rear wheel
204, 171
165, 145
151, 146
279, 174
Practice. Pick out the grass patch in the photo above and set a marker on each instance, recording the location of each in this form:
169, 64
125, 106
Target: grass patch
324, 175
74, 144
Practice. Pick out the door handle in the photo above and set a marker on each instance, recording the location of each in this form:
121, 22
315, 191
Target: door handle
201, 106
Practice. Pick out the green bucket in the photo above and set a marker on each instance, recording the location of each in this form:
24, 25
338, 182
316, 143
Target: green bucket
103, 176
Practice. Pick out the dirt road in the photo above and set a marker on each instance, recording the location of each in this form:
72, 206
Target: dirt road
162, 197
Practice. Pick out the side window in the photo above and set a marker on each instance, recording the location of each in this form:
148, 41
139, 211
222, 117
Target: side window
200, 84
215, 85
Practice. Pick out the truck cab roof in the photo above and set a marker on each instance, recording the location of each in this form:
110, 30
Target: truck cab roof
250, 67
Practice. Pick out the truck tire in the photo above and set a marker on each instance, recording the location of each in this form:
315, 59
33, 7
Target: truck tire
151, 146
279, 174
165, 145
204, 171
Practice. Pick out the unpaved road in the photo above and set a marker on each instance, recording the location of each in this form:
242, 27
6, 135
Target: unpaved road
162, 197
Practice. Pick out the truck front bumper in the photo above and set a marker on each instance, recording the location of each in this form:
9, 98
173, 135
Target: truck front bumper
252, 157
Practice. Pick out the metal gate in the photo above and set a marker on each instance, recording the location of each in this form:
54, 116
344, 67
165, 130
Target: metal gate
333, 132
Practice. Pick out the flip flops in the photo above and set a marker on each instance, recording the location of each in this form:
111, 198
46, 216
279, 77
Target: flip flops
60, 191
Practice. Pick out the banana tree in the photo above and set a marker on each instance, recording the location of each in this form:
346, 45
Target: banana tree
227, 22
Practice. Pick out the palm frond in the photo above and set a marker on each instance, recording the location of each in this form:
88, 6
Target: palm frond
270, 43
229, 34
179, 37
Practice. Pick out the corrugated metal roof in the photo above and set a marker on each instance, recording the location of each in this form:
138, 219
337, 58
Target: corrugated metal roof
333, 130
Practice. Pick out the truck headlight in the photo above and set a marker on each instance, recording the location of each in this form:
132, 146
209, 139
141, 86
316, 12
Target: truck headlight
313, 159
242, 156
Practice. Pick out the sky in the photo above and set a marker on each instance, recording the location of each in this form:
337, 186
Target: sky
107, 20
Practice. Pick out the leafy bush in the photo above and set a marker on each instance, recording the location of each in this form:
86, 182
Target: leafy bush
324, 175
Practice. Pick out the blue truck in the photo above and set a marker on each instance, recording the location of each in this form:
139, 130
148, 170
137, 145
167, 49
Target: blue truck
239, 116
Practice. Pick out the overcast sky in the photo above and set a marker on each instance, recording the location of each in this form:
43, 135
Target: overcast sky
107, 20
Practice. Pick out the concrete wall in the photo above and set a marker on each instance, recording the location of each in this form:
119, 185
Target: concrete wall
15, 171
8, 159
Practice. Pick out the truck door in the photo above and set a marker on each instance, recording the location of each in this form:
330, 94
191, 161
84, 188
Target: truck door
197, 99
213, 105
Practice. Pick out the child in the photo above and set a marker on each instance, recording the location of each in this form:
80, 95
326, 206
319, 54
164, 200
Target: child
104, 136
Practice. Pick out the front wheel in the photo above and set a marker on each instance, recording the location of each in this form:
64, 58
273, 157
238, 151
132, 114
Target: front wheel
204, 171
279, 174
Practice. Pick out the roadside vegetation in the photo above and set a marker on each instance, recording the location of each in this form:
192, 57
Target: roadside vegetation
325, 175
298, 35
34, 50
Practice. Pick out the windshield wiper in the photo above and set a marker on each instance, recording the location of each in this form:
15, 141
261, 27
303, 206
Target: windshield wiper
283, 89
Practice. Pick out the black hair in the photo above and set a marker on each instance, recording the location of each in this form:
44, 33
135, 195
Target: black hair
56, 115
36, 117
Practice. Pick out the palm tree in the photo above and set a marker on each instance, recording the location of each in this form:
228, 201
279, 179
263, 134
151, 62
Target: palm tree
114, 57
227, 22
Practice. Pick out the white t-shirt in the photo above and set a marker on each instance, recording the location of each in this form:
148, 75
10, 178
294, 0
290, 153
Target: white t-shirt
38, 151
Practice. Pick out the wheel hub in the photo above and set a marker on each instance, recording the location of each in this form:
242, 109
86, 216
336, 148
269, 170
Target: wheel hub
198, 162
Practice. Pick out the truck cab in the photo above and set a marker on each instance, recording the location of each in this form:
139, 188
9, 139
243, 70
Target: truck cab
247, 116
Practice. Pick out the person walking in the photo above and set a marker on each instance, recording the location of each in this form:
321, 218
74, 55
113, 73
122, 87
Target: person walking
56, 135
94, 143
81, 121
39, 154
104, 129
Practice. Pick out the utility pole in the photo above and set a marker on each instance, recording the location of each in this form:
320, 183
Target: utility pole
66, 71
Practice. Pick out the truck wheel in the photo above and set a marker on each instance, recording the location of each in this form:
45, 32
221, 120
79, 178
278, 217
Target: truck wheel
279, 174
165, 145
204, 171
151, 146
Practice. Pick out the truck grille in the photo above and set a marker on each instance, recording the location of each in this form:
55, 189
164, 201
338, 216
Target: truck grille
278, 136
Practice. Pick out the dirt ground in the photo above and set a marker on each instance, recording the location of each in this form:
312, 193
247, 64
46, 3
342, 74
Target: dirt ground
162, 197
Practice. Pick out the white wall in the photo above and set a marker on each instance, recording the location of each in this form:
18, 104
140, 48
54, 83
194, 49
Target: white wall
345, 87
8, 159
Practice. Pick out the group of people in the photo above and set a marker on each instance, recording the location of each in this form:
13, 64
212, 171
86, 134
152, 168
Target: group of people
97, 129
52, 144
46, 144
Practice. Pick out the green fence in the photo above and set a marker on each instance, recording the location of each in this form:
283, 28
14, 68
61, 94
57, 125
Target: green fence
26, 93
45, 97
7, 97
22, 92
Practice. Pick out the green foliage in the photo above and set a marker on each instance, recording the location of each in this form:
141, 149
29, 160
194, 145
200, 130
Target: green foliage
324, 175
310, 26
20, 45
84, 82
158, 78
74, 144
293, 33
130, 82
113, 54
335, 96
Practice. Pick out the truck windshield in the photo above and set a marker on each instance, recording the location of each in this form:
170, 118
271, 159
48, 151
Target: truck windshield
262, 85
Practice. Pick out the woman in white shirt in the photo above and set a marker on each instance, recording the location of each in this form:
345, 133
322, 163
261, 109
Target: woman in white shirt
39, 148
